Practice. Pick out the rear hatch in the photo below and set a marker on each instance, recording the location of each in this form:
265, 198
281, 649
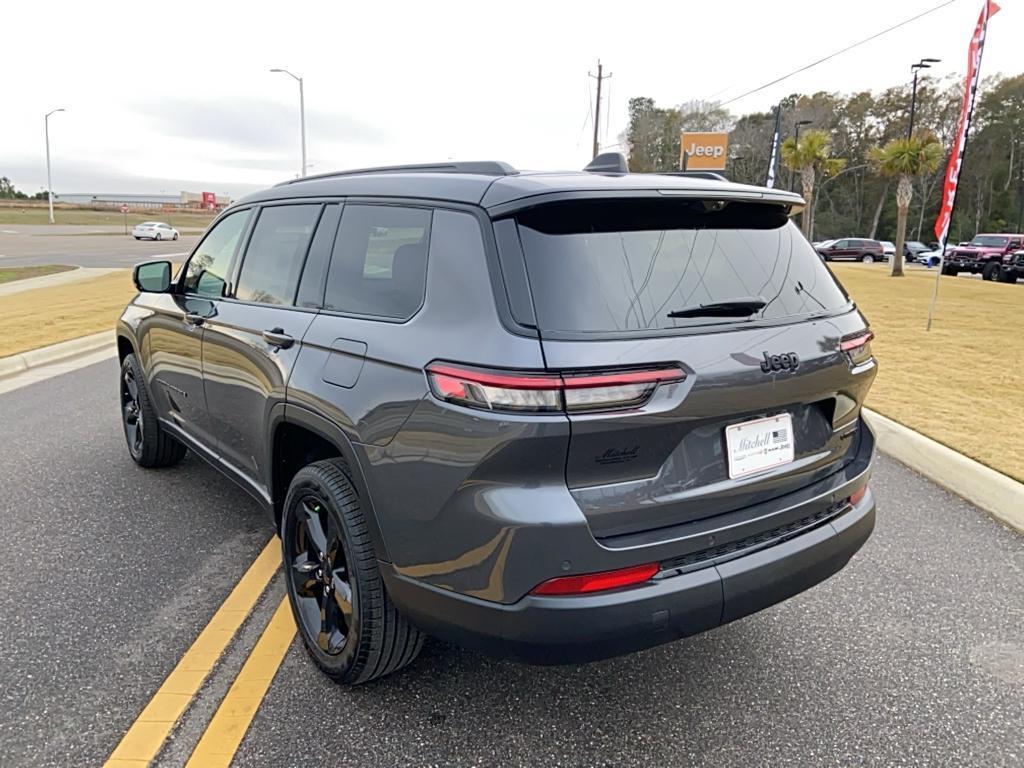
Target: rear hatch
649, 283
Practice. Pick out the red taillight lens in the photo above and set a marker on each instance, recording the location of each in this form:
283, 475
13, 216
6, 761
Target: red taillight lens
545, 392
596, 582
857, 495
857, 346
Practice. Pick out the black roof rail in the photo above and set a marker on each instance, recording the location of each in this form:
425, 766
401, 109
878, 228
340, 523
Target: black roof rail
696, 175
477, 167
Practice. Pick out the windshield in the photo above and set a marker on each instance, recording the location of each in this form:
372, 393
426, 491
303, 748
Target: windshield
629, 265
989, 241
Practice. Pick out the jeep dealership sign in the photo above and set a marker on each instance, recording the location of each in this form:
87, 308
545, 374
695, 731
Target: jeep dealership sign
703, 151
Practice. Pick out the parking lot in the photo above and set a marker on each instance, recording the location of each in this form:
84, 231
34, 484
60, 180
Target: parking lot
912, 655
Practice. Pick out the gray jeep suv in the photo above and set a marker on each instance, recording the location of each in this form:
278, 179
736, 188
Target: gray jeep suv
550, 416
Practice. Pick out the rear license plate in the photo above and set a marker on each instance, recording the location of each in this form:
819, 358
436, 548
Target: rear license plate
761, 444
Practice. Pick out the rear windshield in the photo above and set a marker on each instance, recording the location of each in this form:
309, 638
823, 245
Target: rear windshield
625, 265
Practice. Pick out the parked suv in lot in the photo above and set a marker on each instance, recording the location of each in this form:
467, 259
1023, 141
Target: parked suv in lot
983, 255
854, 249
1012, 267
551, 416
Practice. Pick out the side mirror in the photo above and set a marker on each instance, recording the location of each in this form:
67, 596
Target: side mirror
152, 276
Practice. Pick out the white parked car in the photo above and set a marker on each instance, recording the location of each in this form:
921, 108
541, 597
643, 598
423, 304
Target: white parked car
888, 248
154, 230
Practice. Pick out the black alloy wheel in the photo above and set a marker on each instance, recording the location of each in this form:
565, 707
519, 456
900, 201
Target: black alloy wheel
148, 443
131, 412
325, 599
347, 622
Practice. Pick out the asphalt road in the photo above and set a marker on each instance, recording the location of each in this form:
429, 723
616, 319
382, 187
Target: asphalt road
81, 246
107, 572
912, 655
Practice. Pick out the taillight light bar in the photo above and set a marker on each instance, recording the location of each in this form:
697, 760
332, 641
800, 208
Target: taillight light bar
855, 340
539, 392
596, 582
857, 346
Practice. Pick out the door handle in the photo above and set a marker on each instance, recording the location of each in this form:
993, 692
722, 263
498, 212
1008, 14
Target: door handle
193, 319
276, 337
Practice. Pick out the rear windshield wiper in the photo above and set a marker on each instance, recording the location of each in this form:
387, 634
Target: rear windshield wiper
740, 307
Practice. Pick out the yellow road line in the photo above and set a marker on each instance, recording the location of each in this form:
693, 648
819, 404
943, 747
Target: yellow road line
219, 743
147, 734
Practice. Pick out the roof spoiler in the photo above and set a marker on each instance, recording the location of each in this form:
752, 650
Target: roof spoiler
608, 162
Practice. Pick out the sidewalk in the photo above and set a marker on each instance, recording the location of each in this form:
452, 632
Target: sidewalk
48, 281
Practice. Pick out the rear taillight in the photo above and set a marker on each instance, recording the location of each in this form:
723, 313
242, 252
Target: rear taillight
857, 346
596, 582
859, 494
547, 392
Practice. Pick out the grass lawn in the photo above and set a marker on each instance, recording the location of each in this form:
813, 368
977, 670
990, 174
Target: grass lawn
44, 316
962, 383
112, 218
10, 274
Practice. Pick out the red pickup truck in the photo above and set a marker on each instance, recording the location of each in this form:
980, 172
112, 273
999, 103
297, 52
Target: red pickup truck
984, 255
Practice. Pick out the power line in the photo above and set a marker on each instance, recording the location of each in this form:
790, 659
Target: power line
837, 53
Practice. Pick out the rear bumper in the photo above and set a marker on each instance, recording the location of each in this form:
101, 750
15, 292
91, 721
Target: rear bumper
553, 630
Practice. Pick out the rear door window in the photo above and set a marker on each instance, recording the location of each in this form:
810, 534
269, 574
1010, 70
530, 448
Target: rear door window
622, 266
274, 256
379, 264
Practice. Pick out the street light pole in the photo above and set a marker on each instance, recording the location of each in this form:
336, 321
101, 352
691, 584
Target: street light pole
915, 68
302, 116
49, 184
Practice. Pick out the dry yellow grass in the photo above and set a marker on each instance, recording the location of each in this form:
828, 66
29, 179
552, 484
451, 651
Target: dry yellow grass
42, 316
962, 383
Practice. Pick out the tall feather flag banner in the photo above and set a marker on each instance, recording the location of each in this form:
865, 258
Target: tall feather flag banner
773, 160
956, 155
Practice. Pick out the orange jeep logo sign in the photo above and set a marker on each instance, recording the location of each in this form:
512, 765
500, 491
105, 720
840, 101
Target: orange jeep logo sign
703, 151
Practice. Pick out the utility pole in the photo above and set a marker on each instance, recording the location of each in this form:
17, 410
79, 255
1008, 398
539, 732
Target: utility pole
600, 76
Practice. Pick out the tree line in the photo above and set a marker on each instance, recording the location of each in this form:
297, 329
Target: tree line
9, 192
857, 180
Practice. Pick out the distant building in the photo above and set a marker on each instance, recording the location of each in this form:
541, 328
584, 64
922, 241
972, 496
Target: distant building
181, 200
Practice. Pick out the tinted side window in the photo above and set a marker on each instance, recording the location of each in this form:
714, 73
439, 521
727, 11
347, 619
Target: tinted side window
273, 259
314, 274
207, 270
379, 265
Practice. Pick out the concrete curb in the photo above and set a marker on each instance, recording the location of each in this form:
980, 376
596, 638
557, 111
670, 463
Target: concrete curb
54, 353
1000, 496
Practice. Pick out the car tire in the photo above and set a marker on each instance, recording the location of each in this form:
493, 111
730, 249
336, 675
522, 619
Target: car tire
346, 620
136, 237
990, 271
1007, 276
175, 236
867, 258
148, 443
949, 271
158, 236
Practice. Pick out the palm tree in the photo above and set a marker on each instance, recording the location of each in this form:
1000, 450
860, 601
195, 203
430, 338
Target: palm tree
907, 159
811, 156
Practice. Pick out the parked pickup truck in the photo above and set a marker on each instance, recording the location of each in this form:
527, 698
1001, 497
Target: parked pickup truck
983, 255
1013, 267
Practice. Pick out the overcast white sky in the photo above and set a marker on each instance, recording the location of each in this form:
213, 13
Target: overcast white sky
171, 96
